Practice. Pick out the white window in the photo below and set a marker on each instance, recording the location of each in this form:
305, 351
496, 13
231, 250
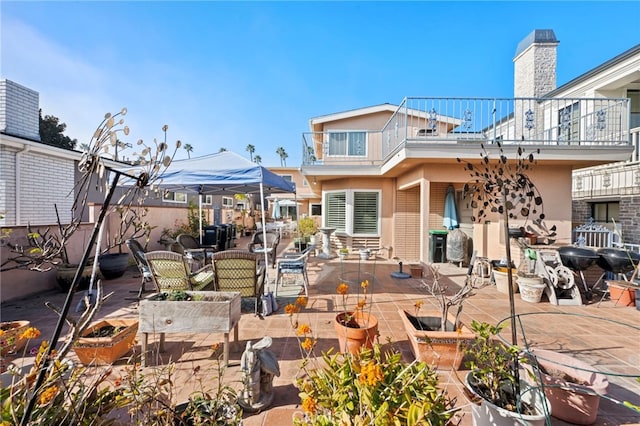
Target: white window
207, 200
175, 197
353, 144
569, 123
240, 206
353, 212
288, 178
227, 202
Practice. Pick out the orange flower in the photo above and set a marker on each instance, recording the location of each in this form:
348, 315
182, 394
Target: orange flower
30, 333
361, 303
309, 405
301, 301
48, 394
371, 373
418, 304
304, 329
291, 309
343, 289
1, 332
308, 344
364, 284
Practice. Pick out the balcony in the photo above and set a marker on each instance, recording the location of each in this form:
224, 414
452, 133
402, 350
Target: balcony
560, 122
614, 180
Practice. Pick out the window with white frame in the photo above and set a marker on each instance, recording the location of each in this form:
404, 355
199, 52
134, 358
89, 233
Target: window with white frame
227, 202
316, 209
353, 144
174, 197
240, 206
354, 212
207, 200
288, 178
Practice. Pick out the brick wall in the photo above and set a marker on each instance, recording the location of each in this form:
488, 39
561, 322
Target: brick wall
630, 219
19, 110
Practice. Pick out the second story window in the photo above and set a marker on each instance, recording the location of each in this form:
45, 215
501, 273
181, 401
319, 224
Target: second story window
227, 202
348, 144
569, 123
174, 197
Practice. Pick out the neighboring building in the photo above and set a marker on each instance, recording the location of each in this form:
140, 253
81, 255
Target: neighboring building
382, 172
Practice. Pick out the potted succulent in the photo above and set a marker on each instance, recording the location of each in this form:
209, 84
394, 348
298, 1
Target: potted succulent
439, 338
494, 380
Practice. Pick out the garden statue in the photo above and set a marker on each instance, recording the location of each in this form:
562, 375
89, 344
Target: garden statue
258, 365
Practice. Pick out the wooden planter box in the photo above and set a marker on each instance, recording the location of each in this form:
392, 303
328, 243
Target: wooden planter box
441, 349
106, 350
211, 312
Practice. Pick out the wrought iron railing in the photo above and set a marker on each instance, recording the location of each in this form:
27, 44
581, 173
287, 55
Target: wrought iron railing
553, 121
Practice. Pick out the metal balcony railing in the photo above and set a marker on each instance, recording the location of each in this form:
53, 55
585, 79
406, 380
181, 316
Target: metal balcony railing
553, 121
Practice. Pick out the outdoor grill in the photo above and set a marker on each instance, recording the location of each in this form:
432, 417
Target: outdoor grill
617, 261
579, 259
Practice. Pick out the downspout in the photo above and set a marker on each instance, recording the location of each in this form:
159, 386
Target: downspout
17, 197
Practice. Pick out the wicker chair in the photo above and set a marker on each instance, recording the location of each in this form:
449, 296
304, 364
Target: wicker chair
172, 272
238, 270
257, 244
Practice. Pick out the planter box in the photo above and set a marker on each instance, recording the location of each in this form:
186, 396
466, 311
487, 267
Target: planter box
622, 292
106, 350
442, 349
212, 312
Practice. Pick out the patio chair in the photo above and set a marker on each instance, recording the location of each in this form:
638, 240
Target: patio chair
258, 246
138, 254
239, 270
294, 265
171, 271
193, 250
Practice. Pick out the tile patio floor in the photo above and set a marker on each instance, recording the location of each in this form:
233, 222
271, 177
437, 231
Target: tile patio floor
608, 337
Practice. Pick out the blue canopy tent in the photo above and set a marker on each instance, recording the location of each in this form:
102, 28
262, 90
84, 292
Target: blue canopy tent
223, 173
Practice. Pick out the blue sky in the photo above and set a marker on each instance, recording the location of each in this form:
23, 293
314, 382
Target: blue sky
229, 74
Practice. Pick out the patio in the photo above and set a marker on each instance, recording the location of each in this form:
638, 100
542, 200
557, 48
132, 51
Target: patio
603, 336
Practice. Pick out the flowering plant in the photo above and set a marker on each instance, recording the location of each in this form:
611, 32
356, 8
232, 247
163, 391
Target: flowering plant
367, 388
355, 290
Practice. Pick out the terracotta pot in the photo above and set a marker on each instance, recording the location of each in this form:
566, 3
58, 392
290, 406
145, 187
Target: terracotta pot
106, 350
11, 341
572, 386
442, 349
362, 333
621, 294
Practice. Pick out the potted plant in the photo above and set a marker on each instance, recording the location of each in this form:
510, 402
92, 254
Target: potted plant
343, 253
494, 380
369, 387
440, 338
306, 228
105, 341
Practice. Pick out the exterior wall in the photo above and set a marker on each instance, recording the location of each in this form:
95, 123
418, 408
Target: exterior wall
535, 71
630, 219
7, 186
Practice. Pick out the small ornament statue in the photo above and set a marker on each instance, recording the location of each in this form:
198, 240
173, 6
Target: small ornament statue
259, 365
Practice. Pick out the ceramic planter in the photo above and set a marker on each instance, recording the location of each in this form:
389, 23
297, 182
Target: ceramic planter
10, 341
531, 288
501, 279
442, 349
363, 332
571, 385
113, 265
365, 254
488, 413
65, 274
106, 350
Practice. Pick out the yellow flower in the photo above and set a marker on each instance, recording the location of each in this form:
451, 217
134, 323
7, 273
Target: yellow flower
418, 304
1, 332
361, 303
309, 405
308, 344
343, 289
371, 373
301, 301
364, 284
30, 333
304, 329
48, 394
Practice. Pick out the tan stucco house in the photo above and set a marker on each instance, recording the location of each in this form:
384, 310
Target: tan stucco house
381, 173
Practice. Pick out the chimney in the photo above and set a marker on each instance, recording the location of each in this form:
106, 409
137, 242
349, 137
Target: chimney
19, 111
535, 65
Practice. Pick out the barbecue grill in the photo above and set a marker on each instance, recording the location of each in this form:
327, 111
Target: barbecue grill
579, 259
618, 261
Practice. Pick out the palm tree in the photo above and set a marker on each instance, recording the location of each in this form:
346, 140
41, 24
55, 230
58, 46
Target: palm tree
251, 149
283, 156
223, 149
84, 147
257, 159
189, 149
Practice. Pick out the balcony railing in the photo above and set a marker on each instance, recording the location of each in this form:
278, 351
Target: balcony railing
559, 121
618, 179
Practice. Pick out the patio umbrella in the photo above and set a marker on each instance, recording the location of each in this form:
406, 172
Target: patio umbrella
450, 219
275, 214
